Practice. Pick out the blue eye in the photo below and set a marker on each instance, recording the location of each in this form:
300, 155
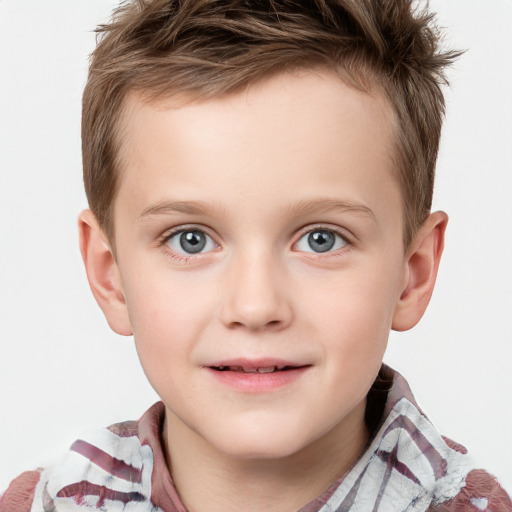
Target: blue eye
191, 241
321, 240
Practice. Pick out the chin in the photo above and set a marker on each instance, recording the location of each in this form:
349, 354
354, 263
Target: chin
262, 450
264, 444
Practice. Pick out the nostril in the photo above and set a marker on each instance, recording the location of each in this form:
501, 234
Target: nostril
270, 324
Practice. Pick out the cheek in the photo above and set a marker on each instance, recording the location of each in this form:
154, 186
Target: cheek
356, 306
167, 313
166, 326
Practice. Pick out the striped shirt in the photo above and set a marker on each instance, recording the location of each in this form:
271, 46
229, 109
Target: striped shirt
407, 466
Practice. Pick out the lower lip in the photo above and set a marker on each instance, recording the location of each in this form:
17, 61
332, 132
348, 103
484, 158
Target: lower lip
258, 382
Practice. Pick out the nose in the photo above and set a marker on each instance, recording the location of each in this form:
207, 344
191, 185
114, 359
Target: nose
255, 294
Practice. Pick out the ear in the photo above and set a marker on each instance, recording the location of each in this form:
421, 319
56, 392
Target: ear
422, 262
103, 273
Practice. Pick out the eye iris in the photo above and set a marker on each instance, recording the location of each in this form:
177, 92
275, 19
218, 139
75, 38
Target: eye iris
321, 241
192, 241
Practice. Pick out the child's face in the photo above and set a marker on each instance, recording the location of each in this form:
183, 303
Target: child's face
261, 229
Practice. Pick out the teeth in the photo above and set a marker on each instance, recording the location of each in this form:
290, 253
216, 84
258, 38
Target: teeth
270, 369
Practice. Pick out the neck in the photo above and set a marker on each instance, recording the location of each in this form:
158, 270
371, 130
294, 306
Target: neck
210, 480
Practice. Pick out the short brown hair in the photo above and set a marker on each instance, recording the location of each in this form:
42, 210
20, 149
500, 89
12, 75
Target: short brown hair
206, 48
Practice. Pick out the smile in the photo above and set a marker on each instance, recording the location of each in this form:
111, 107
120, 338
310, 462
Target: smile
267, 369
257, 376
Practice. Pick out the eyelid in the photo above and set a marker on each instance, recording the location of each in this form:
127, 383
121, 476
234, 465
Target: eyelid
169, 234
342, 233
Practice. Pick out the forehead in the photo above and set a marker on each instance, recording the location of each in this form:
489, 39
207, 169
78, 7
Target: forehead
292, 135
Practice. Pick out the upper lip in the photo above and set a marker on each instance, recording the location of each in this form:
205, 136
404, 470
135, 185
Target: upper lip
254, 364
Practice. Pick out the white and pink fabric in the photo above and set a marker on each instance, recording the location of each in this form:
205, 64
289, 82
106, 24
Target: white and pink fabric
407, 466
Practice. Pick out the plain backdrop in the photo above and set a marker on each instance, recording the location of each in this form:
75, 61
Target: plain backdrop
62, 370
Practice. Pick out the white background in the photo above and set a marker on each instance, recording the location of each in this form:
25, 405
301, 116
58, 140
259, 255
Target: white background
61, 369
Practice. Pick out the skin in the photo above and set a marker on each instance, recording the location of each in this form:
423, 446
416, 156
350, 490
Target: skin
257, 171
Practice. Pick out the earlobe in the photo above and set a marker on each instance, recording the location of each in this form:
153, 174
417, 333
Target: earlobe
103, 273
422, 263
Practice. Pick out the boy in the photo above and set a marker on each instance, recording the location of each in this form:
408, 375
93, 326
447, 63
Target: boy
260, 179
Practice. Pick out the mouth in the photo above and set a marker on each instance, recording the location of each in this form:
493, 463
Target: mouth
257, 375
252, 369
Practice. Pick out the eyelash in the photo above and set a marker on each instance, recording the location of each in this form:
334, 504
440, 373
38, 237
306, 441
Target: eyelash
183, 258
180, 257
348, 240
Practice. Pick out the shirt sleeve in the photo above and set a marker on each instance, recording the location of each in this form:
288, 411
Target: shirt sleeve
20, 494
482, 493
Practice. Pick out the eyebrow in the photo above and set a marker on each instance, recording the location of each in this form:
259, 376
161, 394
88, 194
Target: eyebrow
316, 206
305, 207
166, 207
